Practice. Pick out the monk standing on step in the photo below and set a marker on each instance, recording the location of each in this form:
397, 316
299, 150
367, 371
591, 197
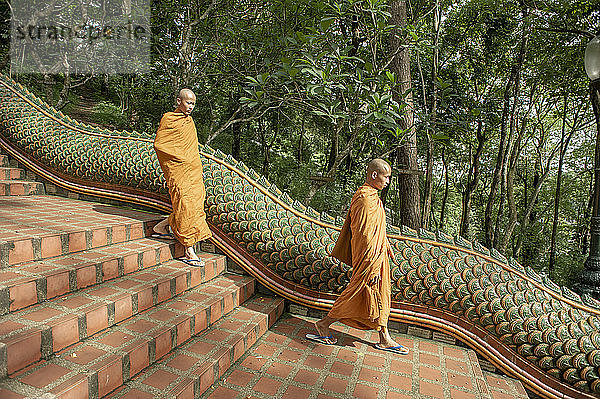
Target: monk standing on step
176, 145
363, 245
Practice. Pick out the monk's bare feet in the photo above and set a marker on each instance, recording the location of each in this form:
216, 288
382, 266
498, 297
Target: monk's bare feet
190, 253
386, 343
191, 258
322, 327
162, 230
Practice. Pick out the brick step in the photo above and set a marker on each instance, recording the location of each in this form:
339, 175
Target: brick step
102, 363
191, 369
42, 227
8, 173
34, 282
11, 188
37, 332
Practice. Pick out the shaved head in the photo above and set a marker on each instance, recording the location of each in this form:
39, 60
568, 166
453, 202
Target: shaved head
378, 173
186, 100
185, 94
378, 165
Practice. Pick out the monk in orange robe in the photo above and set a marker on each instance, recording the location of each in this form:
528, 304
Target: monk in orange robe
362, 243
176, 146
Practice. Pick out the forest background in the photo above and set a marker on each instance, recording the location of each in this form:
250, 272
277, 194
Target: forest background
482, 107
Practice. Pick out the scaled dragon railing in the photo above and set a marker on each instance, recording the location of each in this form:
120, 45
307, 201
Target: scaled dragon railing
545, 335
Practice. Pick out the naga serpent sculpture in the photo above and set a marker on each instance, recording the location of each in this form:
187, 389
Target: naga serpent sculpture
544, 335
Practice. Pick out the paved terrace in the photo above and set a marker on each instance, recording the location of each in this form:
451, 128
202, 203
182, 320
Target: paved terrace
283, 364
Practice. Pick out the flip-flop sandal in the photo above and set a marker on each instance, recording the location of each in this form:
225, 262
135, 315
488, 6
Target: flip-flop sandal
165, 236
193, 262
320, 339
400, 350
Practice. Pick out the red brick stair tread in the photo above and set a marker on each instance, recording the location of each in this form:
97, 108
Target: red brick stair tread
130, 346
193, 367
40, 330
9, 173
40, 227
284, 364
33, 282
11, 188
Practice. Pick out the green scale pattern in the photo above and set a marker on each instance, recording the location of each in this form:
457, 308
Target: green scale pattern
551, 328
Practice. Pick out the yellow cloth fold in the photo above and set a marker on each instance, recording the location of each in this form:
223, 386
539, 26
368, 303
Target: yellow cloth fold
176, 145
363, 244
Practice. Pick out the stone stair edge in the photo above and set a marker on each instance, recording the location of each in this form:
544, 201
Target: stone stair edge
215, 267
12, 173
25, 184
155, 346
15, 188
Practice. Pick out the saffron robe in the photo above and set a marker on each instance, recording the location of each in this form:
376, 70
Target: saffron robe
176, 145
363, 244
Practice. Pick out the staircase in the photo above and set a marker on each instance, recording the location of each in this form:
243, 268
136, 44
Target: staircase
90, 304
92, 307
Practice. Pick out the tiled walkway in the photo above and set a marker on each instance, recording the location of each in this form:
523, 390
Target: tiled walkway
283, 364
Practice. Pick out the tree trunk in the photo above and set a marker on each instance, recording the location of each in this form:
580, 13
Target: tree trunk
408, 184
528, 216
299, 148
333, 151
265, 147
446, 189
63, 98
510, 91
236, 144
538, 180
565, 139
510, 191
515, 154
557, 193
472, 182
427, 198
49, 88
185, 51
315, 185
428, 195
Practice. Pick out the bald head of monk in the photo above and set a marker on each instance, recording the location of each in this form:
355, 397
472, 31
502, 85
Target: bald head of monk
378, 173
186, 100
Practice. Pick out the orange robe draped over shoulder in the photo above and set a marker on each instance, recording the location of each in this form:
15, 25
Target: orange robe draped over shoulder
176, 145
363, 244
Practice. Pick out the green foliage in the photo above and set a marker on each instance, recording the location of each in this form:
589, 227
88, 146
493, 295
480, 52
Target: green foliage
107, 114
329, 72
